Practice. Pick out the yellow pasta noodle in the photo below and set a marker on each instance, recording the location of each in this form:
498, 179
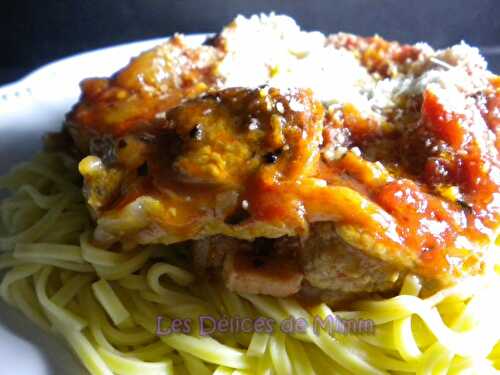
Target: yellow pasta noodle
106, 304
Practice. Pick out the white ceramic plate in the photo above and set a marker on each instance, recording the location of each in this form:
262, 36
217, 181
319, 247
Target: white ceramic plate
28, 109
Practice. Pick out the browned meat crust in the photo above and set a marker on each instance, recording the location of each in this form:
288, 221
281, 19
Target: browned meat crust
358, 197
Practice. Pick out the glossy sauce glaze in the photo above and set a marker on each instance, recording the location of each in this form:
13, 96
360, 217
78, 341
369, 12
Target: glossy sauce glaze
420, 190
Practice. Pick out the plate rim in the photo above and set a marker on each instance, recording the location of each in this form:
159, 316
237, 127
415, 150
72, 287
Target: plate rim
23, 86
46, 347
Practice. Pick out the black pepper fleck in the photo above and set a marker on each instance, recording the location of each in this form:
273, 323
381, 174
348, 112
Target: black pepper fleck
196, 133
272, 157
237, 217
143, 170
465, 206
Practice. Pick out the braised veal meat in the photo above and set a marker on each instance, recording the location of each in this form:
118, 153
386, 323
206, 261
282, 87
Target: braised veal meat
280, 187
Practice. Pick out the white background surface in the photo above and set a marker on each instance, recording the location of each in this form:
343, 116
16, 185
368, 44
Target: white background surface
28, 109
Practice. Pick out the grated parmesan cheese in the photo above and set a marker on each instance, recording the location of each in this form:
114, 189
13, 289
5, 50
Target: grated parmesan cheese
278, 53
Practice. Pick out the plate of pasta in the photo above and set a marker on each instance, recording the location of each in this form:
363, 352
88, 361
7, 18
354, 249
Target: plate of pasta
264, 200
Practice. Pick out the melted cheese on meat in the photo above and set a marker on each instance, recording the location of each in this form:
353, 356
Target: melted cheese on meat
403, 158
